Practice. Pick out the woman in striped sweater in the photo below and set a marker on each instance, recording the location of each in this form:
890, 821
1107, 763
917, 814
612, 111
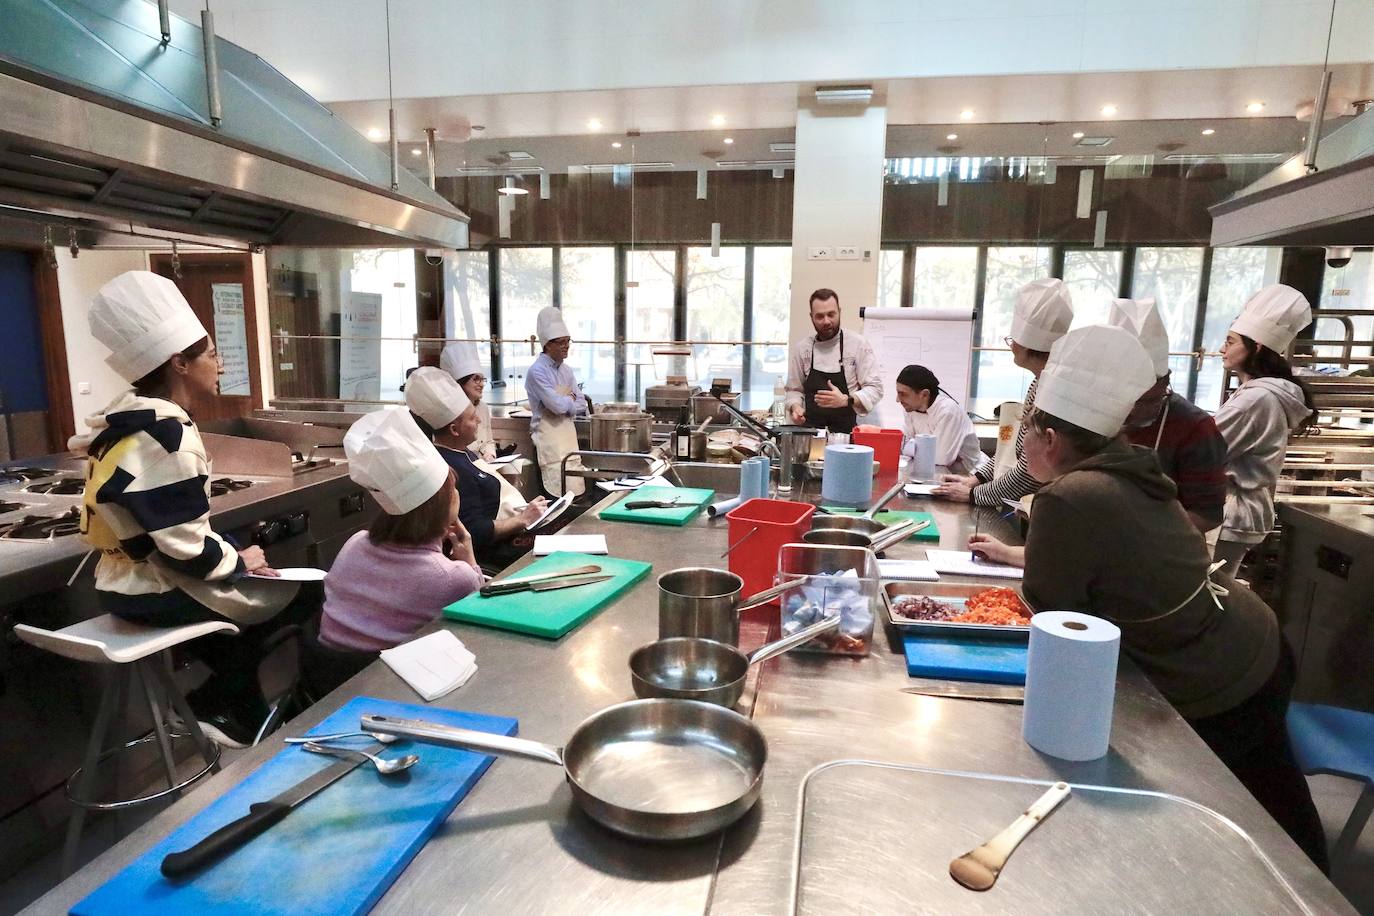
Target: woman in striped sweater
146, 506
1041, 315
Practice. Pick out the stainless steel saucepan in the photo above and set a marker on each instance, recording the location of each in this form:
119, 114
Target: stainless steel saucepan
703, 601
685, 668
862, 523
852, 537
651, 769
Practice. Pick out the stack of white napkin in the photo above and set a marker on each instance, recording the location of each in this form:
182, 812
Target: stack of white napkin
433, 665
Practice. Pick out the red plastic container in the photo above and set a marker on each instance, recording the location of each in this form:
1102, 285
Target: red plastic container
886, 445
768, 523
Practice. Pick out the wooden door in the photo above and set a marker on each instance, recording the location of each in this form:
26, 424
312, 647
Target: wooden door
212, 283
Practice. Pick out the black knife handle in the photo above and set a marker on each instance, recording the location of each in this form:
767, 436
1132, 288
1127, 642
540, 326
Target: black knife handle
492, 589
645, 504
225, 840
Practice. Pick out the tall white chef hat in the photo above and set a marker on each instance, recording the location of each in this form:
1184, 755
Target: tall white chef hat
1141, 318
1274, 316
460, 359
433, 396
1042, 314
1093, 378
389, 456
549, 325
143, 319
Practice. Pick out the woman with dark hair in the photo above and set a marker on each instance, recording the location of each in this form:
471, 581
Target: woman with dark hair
1260, 415
461, 361
146, 505
394, 578
930, 410
1108, 537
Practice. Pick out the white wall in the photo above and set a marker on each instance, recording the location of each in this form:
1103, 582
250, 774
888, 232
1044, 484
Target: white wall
78, 280
837, 200
337, 51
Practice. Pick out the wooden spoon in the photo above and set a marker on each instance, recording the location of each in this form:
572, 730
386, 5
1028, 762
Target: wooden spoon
978, 869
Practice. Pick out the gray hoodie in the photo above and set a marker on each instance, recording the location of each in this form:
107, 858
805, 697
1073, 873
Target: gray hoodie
1256, 422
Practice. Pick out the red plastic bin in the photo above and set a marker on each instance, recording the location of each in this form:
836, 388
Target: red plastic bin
768, 524
886, 445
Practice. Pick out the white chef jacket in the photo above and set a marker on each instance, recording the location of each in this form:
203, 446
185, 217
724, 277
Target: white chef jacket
956, 444
861, 371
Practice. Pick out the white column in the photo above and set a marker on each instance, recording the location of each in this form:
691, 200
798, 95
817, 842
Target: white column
837, 203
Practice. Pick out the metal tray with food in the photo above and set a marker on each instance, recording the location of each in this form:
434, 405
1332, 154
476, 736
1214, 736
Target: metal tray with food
954, 599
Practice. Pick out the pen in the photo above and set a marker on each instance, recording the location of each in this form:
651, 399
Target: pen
977, 521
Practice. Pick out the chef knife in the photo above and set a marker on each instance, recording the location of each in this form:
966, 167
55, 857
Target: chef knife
653, 504
549, 585
988, 692
260, 816
514, 585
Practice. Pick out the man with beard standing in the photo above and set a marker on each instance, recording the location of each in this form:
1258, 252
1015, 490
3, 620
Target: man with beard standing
832, 376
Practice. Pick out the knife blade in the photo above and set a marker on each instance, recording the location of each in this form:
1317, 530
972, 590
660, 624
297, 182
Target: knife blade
653, 504
990, 693
515, 585
260, 816
568, 583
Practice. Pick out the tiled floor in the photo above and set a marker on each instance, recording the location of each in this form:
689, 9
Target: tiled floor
1334, 798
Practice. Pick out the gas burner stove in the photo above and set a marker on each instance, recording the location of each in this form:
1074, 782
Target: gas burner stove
65, 486
224, 485
42, 527
11, 475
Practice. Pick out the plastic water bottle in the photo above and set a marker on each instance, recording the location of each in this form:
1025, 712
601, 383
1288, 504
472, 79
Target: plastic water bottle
778, 412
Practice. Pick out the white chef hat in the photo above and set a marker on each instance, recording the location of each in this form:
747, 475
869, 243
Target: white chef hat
1141, 318
1042, 314
460, 359
1093, 378
549, 325
143, 319
389, 456
433, 396
1274, 316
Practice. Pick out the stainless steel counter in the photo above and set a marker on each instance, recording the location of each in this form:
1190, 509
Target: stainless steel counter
518, 845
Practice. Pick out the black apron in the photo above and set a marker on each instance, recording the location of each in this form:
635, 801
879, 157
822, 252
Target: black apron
835, 419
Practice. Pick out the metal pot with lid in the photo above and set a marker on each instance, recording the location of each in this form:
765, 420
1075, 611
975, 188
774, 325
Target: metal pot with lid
621, 431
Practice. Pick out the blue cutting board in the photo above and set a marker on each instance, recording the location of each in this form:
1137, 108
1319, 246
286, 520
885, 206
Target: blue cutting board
964, 659
335, 854
553, 613
692, 500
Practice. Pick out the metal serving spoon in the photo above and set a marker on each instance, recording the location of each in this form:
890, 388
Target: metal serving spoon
339, 736
384, 766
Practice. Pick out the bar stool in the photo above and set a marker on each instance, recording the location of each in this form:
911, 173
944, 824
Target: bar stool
1332, 741
133, 653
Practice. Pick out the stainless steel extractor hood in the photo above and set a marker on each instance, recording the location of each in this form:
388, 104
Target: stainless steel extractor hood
102, 122
1333, 206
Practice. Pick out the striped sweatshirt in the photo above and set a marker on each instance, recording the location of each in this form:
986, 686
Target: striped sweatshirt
1015, 483
146, 508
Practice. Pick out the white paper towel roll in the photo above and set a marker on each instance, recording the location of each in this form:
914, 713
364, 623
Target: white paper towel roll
923, 462
1070, 684
722, 507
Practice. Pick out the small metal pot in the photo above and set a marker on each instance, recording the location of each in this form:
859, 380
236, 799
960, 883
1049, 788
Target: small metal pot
704, 602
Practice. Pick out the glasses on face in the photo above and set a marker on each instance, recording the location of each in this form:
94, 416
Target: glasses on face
1008, 341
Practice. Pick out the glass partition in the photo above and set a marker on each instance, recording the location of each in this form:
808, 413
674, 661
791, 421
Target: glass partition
1093, 277
715, 315
890, 262
651, 290
586, 280
1173, 278
772, 289
946, 276
999, 379
526, 278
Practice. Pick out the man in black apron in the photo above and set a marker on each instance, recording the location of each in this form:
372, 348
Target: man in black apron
831, 398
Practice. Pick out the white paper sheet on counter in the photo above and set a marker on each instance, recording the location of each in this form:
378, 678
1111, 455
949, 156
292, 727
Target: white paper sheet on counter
433, 665
908, 570
959, 563
545, 544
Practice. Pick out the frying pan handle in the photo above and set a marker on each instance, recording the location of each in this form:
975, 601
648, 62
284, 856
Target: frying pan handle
767, 594
467, 739
796, 639
894, 533
885, 499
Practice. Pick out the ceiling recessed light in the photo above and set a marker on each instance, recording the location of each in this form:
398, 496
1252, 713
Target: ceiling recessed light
593, 124
416, 152
1078, 135
509, 187
717, 120
516, 154
728, 140
1108, 110
1207, 132
615, 144
1255, 107
966, 113
1094, 141
375, 133
951, 136
782, 146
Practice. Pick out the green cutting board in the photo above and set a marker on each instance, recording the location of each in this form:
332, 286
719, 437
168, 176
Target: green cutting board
550, 614
692, 500
892, 516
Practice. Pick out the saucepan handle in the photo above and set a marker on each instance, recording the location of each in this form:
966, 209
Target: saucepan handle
796, 639
465, 738
768, 594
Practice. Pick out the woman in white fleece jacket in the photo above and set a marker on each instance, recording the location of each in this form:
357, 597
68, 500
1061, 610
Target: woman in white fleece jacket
1259, 416
146, 506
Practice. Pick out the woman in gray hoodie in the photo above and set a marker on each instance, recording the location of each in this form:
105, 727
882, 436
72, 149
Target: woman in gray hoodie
1260, 415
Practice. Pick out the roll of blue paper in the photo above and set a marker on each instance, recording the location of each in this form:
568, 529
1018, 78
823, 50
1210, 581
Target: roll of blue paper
923, 464
753, 478
1070, 684
848, 476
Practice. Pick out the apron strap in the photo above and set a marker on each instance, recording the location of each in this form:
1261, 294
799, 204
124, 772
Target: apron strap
1163, 419
1213, 589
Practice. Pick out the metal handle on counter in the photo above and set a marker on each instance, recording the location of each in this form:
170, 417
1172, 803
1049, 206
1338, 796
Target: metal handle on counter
885, 499
467, 739
893, 534
764, 653
768, 594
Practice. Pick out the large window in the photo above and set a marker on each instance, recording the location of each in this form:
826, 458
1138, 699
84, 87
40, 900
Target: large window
1173, 278
946, 277
890, 262
586, 294
651, 286
526, 277
1093, 277
467, 284
1235, 276
715, 312
1008, 270
772, 301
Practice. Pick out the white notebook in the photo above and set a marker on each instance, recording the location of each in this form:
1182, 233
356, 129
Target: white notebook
545, 544
554, 510
433, 665
909, 570
961, 563
921, 489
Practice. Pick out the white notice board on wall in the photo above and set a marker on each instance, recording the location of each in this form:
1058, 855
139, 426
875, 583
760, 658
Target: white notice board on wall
939, 339
231, 340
